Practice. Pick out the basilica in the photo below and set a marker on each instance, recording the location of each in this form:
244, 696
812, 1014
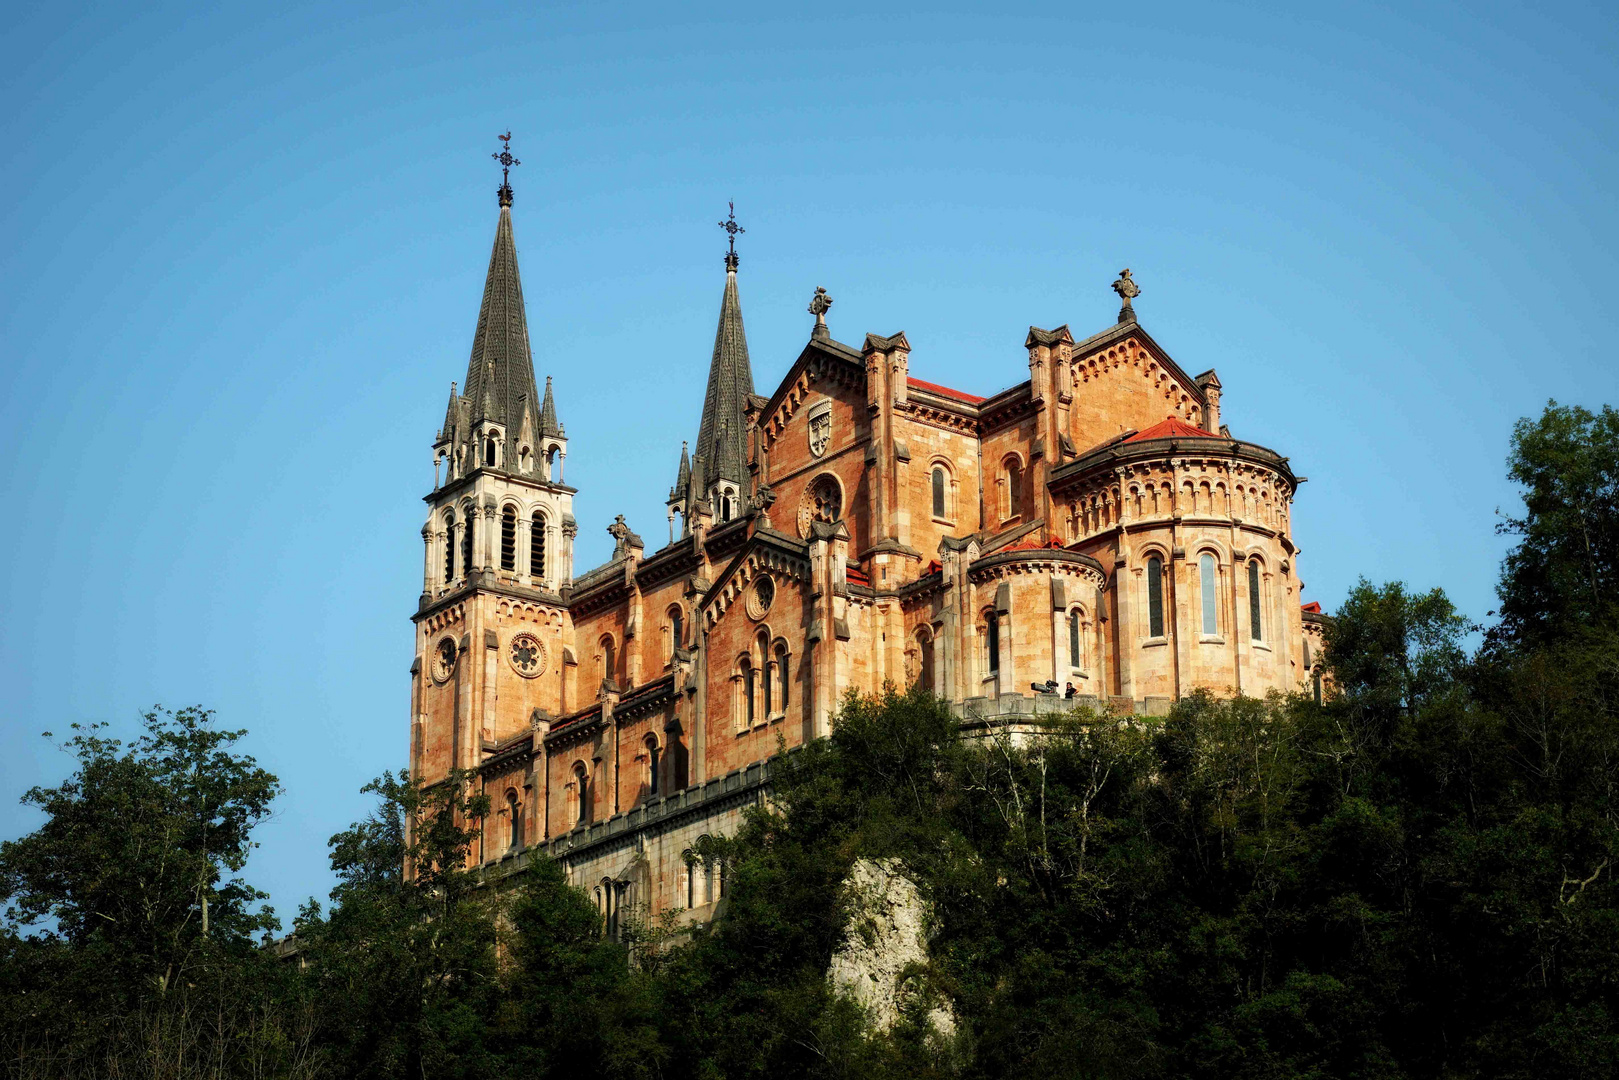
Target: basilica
1093, 536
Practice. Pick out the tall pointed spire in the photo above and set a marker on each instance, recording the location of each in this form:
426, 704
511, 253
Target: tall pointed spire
500, 371
549, 427
722, 445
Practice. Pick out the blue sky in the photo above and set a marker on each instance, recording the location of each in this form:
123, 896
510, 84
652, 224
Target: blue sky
241, 249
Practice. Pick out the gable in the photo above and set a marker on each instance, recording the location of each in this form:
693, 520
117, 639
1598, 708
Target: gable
1123, 381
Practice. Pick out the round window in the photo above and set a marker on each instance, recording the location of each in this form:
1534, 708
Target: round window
527, 655
444, 660
762, 596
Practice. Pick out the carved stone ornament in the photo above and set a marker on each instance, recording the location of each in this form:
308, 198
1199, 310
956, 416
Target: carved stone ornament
761, 596
444, 660
820, 428
526, 654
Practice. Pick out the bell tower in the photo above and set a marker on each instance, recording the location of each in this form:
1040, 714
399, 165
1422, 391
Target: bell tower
493, 636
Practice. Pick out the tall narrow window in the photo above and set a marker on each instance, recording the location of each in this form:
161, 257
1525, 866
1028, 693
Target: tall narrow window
749, 703
1205, 571
992, 642
489, 451
449, 549
781, 679
1254, 607
938, 491
1073, 639
466, 545
582, 794
514, 811
677, 628
653, 758
924, 646
767, 687
1014, 487
536, 547
1155, 597
508, 539
609, 661
725, 508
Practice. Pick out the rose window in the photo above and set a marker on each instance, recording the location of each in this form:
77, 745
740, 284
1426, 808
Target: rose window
444, 660
527, 655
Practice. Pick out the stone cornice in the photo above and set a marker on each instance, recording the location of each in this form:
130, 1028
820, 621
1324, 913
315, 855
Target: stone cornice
485, 582
1114, 455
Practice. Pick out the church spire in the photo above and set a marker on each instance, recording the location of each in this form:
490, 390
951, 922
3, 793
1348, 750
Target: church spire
500, 371
722, 444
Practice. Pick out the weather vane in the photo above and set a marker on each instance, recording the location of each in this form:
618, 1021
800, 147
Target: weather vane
506, 162
731, 228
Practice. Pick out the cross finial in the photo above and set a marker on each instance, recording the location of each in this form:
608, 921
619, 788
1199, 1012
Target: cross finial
731, 228
1128, 290
506, 162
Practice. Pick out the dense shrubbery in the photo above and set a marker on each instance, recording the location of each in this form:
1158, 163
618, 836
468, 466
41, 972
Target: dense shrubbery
1413, 878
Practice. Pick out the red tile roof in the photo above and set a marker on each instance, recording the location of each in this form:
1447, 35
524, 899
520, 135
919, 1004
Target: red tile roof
857, 576
1172, 428
944, 391
1313, 607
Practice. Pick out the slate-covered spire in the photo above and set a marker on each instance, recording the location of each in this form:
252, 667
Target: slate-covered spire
549, 427
500, 371
722, 444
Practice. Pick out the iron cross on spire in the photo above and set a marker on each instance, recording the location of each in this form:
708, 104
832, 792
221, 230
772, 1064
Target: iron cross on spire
731, 228
506, 162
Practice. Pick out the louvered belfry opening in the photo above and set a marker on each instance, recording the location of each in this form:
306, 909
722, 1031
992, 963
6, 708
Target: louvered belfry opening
508, 539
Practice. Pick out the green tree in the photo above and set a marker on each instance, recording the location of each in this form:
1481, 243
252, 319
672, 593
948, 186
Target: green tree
138, 862
404, 964
1562, 575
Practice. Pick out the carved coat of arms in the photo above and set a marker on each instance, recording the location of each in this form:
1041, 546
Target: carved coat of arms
820, 431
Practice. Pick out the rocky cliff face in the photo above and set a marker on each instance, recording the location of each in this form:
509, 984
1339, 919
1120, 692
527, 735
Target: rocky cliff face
885, 944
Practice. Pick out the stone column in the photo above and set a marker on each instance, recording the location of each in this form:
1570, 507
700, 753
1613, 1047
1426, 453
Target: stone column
429, 579
520, 558
490, 531
564, 576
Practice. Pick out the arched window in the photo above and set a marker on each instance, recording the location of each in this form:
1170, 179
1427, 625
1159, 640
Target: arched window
749, 702
1254, 607
1014, 487
992, 641
765, 686
514, 812
924, 659
1155, 597
489, 451
449, 548
1206, 586
508, 539
536, 546
725, 507
781, 679
609, 660
653, 758
525, 460
1073, 639
939, 481
677, 628
581, 783
466, 544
